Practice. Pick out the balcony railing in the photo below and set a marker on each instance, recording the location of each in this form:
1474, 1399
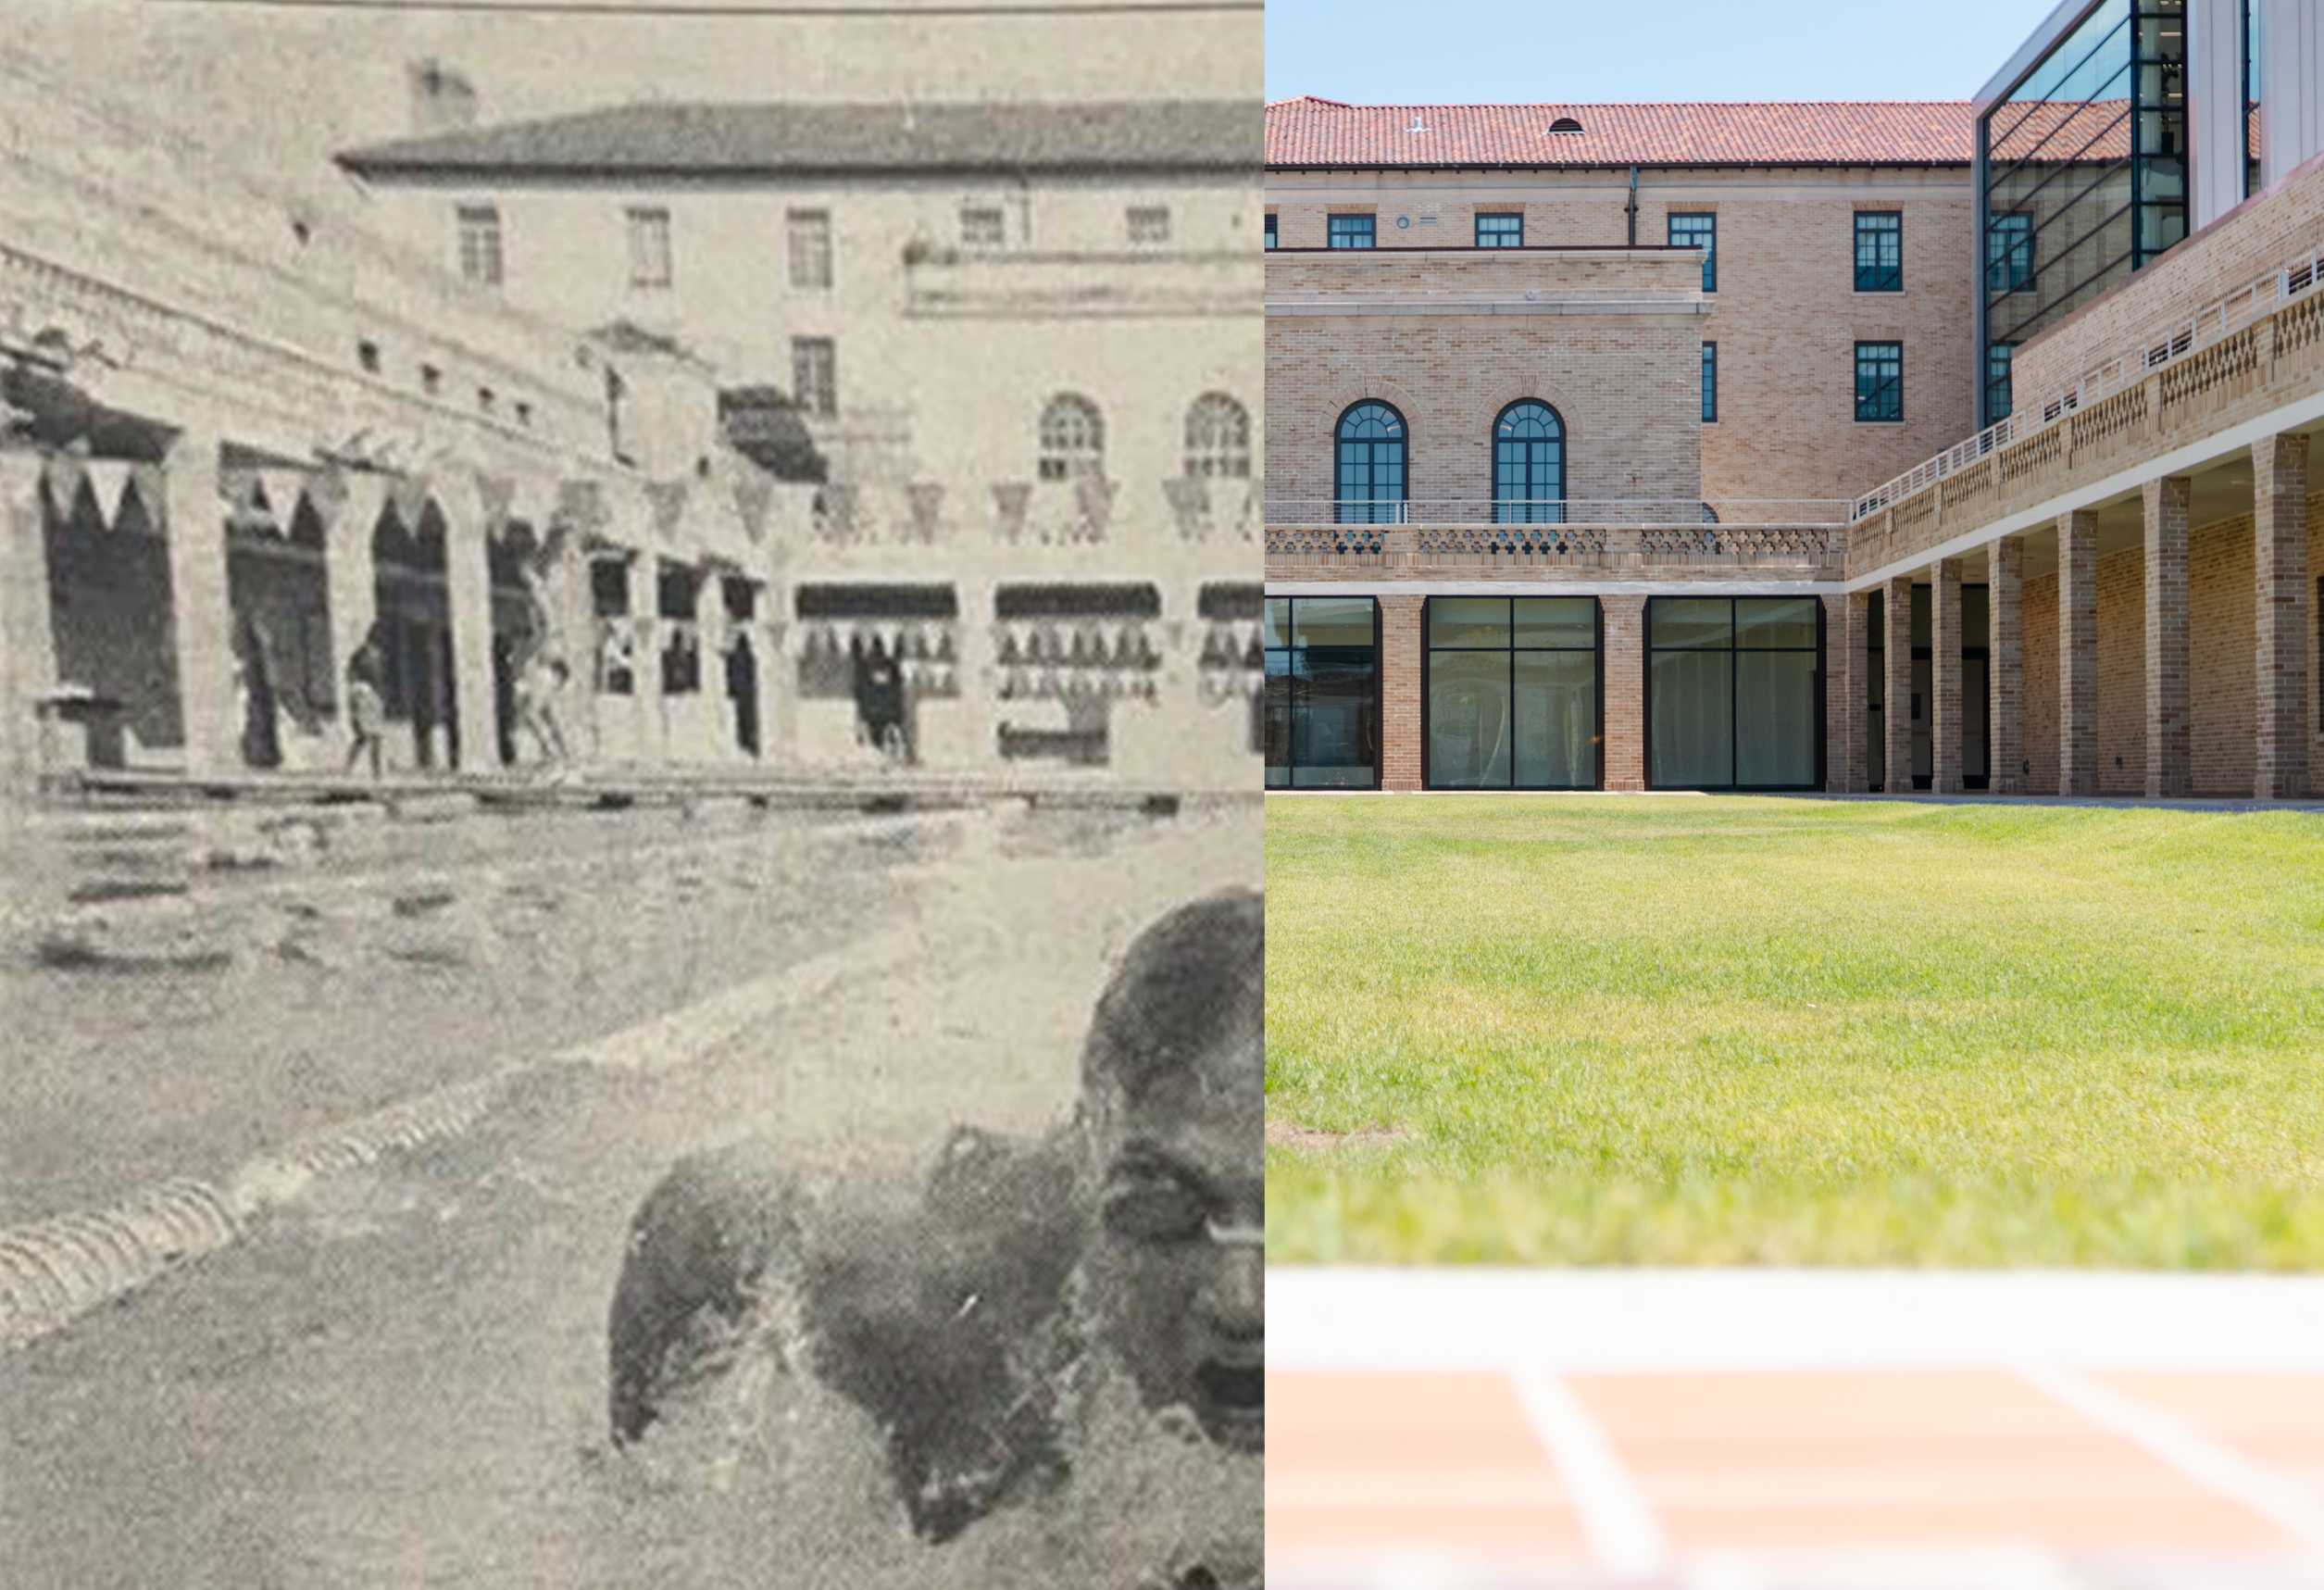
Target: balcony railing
1641, 511
2165, 346
1393, 551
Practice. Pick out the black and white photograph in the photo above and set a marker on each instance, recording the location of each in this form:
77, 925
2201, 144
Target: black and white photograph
631, 715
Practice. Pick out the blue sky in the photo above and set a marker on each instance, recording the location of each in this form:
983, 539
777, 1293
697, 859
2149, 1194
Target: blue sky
1456, 52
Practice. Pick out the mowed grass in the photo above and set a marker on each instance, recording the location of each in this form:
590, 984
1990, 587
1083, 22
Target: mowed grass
1689, 1030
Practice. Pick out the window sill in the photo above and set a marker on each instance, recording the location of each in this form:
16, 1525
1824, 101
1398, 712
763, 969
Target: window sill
1899, 421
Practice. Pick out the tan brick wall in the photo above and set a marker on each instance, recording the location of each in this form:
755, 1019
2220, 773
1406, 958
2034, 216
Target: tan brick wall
2248, 242
1785, 315
2223, 708
1400, 692
1624, 643
1625, 387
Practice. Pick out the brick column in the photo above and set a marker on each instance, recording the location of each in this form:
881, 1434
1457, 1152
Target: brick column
2005, 668
1944, 679
2077, 654
350, 509
1400, 693
27, 636
1625, 663
201, 616
2169, 745
2279, 486
1847, 720
1896, 685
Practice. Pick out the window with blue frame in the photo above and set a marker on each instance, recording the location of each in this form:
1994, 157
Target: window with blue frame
1880, 251
2009, 254
1350, 231
1880, 382
1698, 229
1528, 465
1270, 229
1368, 466
1710, 384
1501, 231
1999, 400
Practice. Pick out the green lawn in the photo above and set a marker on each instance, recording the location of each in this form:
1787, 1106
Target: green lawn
1687, 1030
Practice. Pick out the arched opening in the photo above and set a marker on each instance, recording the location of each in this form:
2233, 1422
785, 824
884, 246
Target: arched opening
1217, 438
1528, 465
1368, 474
1072, 439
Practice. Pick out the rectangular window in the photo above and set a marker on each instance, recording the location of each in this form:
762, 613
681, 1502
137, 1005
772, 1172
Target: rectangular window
479, 245
1880, 382
982, 226
649, 248
1512, 692
1698, 229
1350, 231
1322, 693
1999, 399
1270, 229
815, 374
810, 249
1710, 384
2009, 254
1880, 251
1500, 232
1734, 698
1149, 224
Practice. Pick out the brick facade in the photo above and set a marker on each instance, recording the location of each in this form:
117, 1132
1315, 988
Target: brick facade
1625, 386
2279, 483
2077, 654
2005, 670
2248, 242
2222, 702
1944, 705
1624, 642
2164, 504
1896, 686
1400, 693
1785, 316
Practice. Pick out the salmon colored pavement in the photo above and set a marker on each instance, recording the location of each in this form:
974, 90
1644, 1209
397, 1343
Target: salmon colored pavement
1388, 1472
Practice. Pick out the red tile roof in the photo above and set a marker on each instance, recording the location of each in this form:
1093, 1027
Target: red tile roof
1311, 131
845, 140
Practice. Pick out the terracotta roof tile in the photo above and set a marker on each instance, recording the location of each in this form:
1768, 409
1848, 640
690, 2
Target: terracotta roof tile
1311, 131
842, 139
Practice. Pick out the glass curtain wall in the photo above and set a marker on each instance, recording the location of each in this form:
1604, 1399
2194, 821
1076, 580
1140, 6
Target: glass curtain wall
1512, 692
1734, 694
2253, 46
1322, 701
2085, 169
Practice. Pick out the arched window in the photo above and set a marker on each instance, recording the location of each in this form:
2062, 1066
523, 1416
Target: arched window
1072, 439
1368, 477
1218, 438
1528, 465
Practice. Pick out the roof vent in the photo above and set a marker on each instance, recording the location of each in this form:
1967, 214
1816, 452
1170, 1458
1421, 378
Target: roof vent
1564, 124
1416, 126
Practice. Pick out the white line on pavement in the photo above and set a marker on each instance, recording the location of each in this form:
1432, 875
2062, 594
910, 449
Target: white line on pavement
2214, 1467
1613, 1513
